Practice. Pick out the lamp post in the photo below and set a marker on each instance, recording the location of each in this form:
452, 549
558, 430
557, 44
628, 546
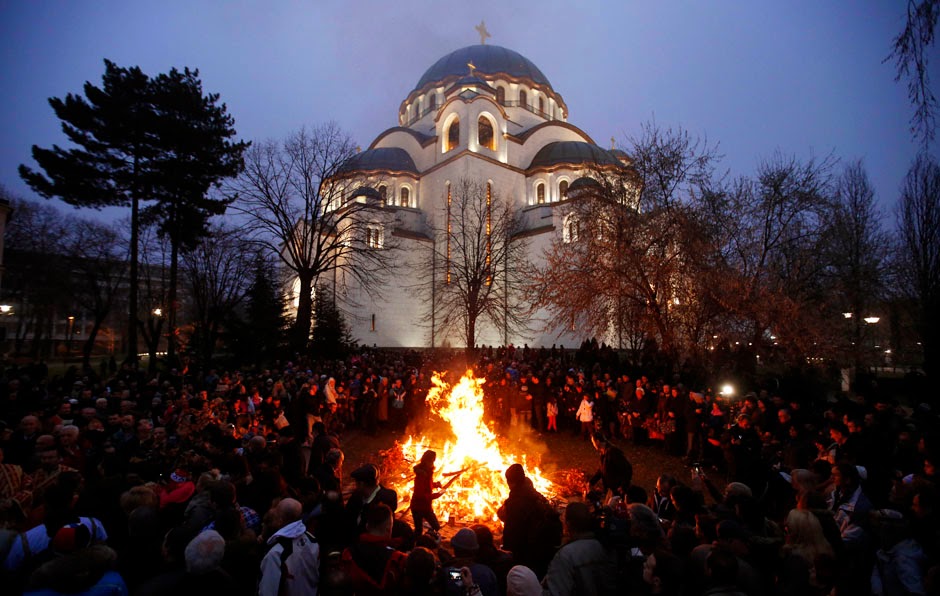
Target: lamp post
68, 334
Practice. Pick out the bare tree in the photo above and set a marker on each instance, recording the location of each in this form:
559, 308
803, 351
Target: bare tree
99, 265
766, 271
37, 274
302, 206
626, 256
218, 271
918, 255
856, 254
154, 284
911, 52
477, 272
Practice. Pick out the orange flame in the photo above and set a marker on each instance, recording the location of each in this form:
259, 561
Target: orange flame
481, 487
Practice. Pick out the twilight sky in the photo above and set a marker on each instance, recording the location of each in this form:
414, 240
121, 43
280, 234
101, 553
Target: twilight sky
802, 76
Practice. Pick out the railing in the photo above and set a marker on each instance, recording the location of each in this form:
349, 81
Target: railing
505, 103
421, 115
529, 107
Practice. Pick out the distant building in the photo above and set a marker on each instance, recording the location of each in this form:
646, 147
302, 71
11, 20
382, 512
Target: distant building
483, 113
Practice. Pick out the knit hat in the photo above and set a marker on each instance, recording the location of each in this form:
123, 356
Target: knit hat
521, 581
465, 540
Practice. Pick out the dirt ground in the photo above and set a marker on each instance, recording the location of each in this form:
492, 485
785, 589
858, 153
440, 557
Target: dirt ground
563, 457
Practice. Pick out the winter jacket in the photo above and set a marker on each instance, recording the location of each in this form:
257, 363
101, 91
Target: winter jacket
292, 564
580, 567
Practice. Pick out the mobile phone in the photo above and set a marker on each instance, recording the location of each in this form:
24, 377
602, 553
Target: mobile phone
455, 575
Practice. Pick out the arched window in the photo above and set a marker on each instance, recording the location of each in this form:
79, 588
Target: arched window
563, 190
374, 236
571, 228
541, 104
453, 135
383, 193
418, 108
432, 101
404, 196
540, 193
500, 96
523, 98
485, 133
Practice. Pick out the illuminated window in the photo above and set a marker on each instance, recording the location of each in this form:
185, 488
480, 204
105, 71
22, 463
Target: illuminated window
571, 228
374, 237
485, 133
453, 135
404, 196
383, 192
523, 99
540, 193
500, 96
563, 190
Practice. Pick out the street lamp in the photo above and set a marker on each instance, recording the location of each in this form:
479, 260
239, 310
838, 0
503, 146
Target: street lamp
6, 309
871, 320
68, 333
158, 312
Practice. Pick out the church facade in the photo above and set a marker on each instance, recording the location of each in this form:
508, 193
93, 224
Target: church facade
482, 113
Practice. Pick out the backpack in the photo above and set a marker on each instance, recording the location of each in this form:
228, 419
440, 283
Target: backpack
287, 546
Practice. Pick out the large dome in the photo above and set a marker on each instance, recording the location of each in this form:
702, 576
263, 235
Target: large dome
487, 60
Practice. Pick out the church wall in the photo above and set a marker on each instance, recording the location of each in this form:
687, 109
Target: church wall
396, 318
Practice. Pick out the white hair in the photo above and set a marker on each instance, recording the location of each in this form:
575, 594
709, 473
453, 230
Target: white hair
204, 552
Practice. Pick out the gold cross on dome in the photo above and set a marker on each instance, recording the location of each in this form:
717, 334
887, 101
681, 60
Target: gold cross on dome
481, 29
472, 67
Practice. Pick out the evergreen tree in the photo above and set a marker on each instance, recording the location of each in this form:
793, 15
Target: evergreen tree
196, 130
113, 163
331, 335
141, 139
259, 336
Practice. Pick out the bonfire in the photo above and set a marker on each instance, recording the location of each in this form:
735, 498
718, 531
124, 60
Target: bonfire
470, 460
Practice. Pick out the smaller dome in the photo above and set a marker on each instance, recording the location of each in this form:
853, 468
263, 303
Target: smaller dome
390, 159
575, 153
582, 184
367, 192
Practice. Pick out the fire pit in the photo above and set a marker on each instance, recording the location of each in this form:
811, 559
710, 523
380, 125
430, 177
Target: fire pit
471, 458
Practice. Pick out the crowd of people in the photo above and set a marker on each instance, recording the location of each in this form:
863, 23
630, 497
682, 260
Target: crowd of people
189, 481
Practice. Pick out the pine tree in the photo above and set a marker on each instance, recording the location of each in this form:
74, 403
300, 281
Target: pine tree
331, 337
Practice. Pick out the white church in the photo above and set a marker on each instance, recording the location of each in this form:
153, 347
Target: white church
484, 113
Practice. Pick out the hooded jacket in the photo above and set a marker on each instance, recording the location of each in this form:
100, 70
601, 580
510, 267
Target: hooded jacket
292, 564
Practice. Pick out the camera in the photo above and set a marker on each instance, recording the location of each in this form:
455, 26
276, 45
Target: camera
455, 575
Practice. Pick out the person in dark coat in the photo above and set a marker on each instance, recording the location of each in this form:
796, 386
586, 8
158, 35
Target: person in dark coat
531, 528
616, 470
367, 495
423, 495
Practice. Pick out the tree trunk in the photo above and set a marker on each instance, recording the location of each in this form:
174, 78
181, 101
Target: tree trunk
171, 302
90, 342
300, 334
132, 290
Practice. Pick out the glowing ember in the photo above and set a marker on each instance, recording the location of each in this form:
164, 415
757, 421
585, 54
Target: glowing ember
473, 449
